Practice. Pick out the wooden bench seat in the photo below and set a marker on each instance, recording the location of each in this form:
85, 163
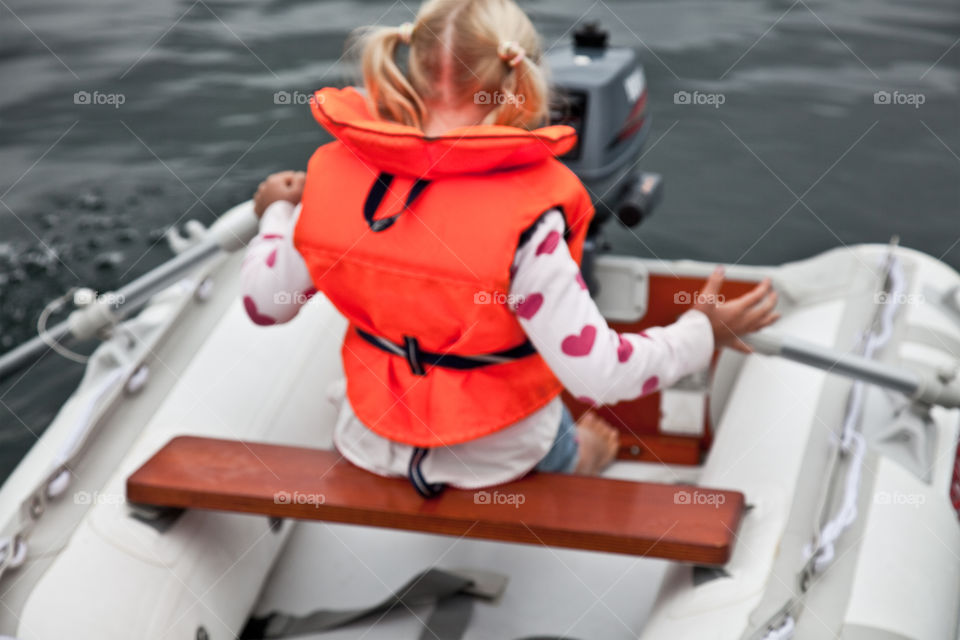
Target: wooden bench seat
677, 522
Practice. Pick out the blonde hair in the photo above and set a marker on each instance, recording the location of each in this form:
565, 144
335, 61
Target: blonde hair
461, 51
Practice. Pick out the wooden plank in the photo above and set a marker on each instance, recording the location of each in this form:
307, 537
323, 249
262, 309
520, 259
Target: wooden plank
662, 449
677, 522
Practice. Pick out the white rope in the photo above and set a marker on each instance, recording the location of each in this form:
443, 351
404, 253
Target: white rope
847, 513
852, 446
87, 411
784, 632
56, 305
13, 549
852, 443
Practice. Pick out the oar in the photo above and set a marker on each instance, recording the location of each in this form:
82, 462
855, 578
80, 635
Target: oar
230, 232
941, 389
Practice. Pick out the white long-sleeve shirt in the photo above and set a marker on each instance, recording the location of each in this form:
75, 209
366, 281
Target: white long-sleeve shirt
594, 362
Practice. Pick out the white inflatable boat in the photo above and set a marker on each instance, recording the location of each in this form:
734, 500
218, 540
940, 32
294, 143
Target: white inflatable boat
849, 532
838, 436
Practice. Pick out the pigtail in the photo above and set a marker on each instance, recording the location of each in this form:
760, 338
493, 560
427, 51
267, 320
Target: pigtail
478, 50
389, 91
524, 94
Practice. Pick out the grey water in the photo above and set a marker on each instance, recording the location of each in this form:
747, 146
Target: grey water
837, 123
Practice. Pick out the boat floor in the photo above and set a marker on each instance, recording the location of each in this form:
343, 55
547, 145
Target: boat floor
557, 592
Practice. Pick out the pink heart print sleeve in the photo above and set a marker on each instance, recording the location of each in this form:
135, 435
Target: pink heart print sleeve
594, 362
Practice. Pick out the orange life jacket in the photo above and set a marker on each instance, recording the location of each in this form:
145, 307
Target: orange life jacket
412, 238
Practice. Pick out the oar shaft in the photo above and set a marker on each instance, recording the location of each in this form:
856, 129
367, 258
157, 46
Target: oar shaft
929, 389
229, 233
85, 322
845, 364
22, 355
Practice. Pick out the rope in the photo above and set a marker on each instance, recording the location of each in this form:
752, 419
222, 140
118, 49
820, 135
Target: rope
56, 305
13, 548
852, 446
784, 632
852, 443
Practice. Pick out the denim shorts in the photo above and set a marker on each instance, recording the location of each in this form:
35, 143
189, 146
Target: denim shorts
562, 456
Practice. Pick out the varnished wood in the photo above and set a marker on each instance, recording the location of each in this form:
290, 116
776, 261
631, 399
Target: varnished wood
662, 449
677, 522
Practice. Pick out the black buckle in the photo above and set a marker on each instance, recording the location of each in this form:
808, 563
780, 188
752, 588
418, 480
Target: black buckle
418, 359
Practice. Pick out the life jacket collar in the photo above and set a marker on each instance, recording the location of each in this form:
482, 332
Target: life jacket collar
404, 150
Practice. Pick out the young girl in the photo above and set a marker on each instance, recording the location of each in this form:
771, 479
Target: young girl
441, 224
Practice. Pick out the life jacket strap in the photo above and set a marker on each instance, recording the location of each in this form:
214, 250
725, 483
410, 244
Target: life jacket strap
417, 357
377, 192
415, 475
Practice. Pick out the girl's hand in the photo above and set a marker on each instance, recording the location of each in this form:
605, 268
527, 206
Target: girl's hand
285, 185
732, 319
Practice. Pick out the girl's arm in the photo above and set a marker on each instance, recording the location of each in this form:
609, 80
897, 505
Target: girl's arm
274, 280
594, 362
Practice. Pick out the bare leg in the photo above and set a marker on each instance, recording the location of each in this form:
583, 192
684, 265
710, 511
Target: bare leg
598, 444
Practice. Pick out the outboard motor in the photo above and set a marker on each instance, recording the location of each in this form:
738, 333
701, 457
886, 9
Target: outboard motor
602, 93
